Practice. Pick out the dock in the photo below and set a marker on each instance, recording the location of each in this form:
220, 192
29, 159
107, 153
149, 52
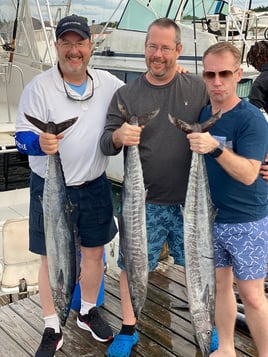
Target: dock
164, 327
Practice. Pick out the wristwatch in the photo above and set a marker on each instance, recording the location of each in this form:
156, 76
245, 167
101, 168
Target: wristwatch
217, 152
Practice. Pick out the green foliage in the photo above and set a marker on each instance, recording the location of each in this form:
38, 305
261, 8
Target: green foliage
261, 9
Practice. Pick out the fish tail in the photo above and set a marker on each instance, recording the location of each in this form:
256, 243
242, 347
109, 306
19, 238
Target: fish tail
211, 121
195, 127
51, 127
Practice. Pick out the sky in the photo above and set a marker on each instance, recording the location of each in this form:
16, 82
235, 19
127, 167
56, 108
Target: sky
97, 10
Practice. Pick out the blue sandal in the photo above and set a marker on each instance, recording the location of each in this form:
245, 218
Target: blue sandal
122, 345
214, 340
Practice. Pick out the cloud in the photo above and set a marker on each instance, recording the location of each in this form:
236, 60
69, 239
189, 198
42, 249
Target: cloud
98, 10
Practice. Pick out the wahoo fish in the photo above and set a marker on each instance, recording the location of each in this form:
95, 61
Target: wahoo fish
61, 241
132, 220
198, 218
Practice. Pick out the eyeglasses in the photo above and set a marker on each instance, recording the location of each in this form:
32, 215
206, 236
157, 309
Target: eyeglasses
222, 74
73, 95
165, 50
67, 45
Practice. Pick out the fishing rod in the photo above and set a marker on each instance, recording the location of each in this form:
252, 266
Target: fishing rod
12, 47
195, 47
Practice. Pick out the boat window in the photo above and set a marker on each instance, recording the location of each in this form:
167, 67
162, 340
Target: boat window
201, 9
139, 14
125, 75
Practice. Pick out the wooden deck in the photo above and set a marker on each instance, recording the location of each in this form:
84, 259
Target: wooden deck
164, 328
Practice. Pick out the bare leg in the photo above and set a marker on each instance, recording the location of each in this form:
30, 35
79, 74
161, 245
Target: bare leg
91, 273
256, 310
126, 306
44, 289
225, 312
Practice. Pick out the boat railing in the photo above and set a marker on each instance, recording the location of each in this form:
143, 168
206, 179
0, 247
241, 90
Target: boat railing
11, 76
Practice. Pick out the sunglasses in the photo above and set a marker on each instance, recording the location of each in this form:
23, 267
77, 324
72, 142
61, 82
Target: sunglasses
222, 74
77, 97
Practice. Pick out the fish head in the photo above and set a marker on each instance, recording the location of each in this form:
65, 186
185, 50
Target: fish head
204, 341
63, 313
203, 332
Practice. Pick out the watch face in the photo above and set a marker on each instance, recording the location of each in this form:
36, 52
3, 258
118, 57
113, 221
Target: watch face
217, 152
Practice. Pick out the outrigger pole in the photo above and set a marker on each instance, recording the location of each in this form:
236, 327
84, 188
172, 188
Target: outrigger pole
195, 47
12, 47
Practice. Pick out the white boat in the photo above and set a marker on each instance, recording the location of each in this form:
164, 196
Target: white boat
121, 53
202, 23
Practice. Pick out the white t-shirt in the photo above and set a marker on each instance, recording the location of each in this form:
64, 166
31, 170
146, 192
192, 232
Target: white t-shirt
45, 99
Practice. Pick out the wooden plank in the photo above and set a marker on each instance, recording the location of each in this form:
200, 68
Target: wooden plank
17, 328
164, 328
9, 348
245, 346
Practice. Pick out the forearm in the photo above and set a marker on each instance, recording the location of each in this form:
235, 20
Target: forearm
240, 168
28, 143
106, 144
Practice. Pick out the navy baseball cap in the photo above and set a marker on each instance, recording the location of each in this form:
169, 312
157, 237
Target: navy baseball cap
73, 23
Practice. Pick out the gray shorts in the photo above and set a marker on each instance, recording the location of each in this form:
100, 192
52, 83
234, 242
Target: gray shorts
92, 214
244, 246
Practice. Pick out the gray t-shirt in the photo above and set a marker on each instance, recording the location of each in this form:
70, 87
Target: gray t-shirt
164, 149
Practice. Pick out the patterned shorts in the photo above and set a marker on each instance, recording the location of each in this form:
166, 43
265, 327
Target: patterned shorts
164, 223
244, 246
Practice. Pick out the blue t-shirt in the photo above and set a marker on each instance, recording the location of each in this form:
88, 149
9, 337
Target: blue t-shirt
244, 130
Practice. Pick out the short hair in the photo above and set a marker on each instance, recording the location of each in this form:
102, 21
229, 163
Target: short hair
258, 54
165, 22
221, 47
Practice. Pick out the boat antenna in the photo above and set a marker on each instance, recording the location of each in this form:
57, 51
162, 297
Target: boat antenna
195, 48
246, 30
12, 47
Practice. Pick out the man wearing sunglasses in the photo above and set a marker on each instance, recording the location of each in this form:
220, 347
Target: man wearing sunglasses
71, 90
234, 149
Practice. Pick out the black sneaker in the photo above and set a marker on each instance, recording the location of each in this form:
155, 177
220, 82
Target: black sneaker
51, 342
94, 323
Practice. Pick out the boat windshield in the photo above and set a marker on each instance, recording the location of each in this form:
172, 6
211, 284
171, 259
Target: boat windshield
138, 14
203, 8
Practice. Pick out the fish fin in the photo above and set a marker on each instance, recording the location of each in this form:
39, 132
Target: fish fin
41, 200
214, 214
123, 111
60, 281
185, 127
143, 119
64, 125
36, 122
51, 127
195, 127
182, 210
133, 119
205, 297
211, 121
146, 193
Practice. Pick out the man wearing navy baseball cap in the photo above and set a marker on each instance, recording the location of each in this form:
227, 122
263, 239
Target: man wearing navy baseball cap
73, 23
71, 89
